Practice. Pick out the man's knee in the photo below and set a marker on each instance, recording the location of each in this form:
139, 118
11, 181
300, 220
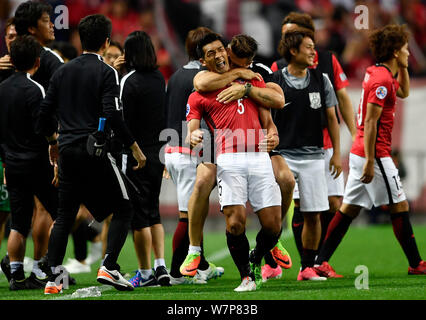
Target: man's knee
334, 202
286, 181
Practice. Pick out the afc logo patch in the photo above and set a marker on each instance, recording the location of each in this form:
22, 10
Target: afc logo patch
188, 109
381, 92
315, 99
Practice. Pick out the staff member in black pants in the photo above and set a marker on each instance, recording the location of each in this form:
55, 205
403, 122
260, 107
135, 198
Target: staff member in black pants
80, 93
25, 150
143, 92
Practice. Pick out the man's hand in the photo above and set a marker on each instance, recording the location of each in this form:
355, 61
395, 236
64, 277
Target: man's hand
234, 92
367, 172
335, 165
54, 154
196, 137
248, 74
269, 142
138, 155
119, 63
166, 174
5, 63
55, 180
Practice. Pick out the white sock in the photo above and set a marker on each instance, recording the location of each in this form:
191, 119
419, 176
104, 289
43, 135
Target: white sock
194, 249
37, 271
15, 265
146, 273
159, 262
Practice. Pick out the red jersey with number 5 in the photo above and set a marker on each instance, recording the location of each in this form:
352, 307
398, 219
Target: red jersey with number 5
236, 126
379, 87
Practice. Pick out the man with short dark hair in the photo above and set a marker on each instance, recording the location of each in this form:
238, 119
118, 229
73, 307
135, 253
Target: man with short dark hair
87, 172
24, 149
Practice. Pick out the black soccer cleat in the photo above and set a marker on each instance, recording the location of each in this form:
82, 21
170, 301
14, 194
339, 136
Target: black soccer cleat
5, 267
162, 276
34, 282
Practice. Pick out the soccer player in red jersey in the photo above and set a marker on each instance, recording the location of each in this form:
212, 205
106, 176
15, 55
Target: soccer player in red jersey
243, 172
373, 178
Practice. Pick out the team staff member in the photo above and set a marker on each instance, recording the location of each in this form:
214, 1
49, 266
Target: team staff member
326, 62
6, 66
33, 18
373, 178
180, 166
143, 93
85, 178
308, 92
24, 150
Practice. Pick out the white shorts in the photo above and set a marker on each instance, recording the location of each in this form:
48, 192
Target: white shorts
247, 176
183, 171
311, 184
335, 187
384, 189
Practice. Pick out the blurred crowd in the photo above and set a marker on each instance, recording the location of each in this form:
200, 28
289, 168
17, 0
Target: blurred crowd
168, 21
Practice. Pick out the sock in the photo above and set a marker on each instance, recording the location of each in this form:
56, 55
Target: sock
15, 266
337, 229
159, 262
404, 233
204, 265
326, 217
265, 241
194, 249
146, 273
269, 260
308, 258
297, 227
239, 248
37, 271
180, 247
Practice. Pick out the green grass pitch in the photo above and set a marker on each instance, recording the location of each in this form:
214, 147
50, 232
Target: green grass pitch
374, 247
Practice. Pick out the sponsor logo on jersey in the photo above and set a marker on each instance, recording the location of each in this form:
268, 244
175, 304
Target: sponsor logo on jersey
188, 109
315, 99
381, 92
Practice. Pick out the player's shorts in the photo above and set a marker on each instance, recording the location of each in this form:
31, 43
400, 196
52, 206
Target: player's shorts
4, 194
311, 184
384, 189
247, 176
148, 182
183, 171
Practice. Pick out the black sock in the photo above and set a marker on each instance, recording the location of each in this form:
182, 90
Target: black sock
19, 273
204, 265
180, 247
308, 258
404, 233
265, 241
239, 248
297, 226
337, 229
326, 217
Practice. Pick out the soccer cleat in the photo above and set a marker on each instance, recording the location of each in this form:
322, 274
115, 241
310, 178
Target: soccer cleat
325, 270
16, 284
95, 253
75, 266
281, 256
309, 274
190, 265
248, 284
162, 276
420, 269
138, 281
52, 288
271, 273
34, 282
5, 267
113, 278
212, 272
182, 280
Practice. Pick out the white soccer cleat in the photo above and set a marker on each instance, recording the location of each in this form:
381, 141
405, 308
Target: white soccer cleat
75, 266
212, 272
114, 278
248, 284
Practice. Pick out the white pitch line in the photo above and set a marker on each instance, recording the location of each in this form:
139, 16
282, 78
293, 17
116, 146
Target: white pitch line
223, 253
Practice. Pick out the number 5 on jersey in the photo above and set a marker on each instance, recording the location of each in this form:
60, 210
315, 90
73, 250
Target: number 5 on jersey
240, 108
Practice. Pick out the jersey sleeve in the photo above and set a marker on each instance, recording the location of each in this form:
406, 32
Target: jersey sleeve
330, 96
340, 79
378, 91
194, 107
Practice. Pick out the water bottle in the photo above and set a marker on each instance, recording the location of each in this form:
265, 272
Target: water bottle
90, 292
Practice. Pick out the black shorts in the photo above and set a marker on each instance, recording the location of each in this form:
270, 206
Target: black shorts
24, 181
148, 181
